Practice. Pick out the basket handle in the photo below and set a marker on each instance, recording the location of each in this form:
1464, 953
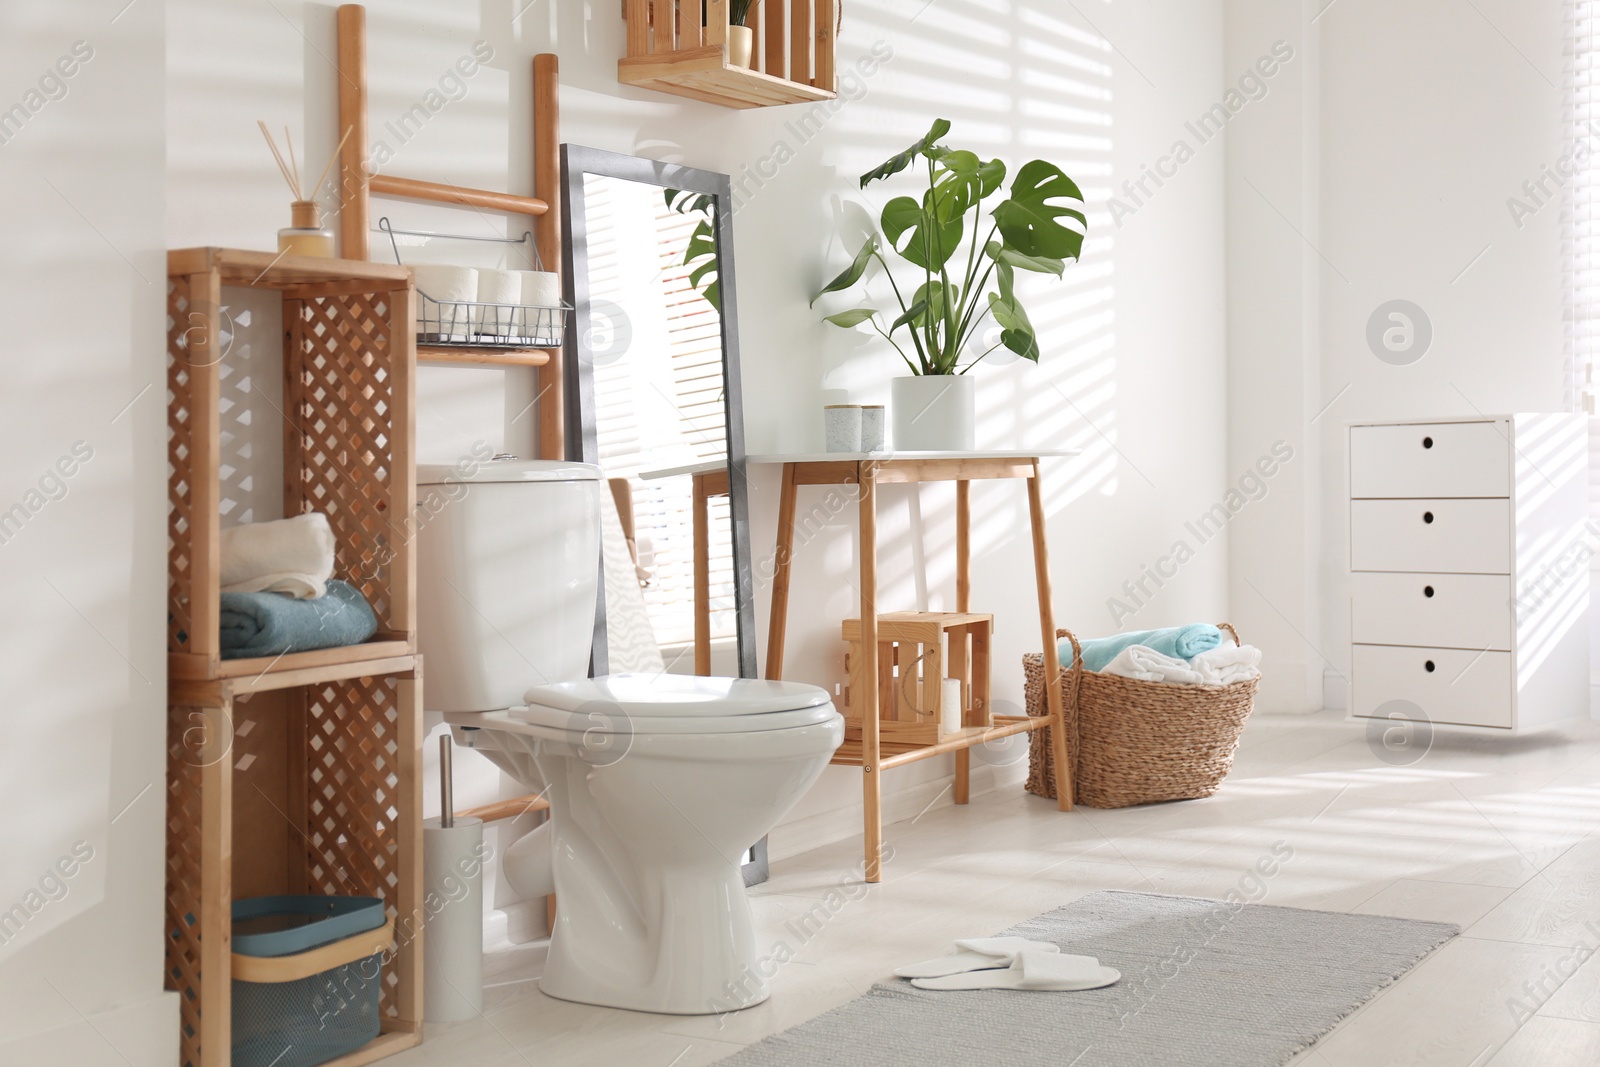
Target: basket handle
1077, 690
1228, 626
275, 969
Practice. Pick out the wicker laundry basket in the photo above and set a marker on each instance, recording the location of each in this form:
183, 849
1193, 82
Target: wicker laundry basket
1136, 742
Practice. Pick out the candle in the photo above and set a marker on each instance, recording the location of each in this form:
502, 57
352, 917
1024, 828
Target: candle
950, 707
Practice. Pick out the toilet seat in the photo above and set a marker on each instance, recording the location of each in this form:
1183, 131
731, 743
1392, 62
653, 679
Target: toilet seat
674, 704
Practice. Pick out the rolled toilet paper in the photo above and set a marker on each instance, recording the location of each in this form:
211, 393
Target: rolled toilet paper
452, 874
496, 287
446, 320
539, 289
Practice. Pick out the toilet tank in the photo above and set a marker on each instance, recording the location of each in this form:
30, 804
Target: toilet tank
508, 558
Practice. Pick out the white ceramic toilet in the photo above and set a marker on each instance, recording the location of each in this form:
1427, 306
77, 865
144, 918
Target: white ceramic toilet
657, 784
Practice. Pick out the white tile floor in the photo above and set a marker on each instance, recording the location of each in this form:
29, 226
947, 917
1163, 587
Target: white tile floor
1501, 837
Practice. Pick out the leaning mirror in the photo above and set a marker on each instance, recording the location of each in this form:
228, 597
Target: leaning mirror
653, 399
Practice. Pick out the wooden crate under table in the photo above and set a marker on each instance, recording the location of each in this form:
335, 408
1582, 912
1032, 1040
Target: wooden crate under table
917, 651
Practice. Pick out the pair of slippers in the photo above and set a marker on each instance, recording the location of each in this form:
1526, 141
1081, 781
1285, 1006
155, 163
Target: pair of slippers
1009, 963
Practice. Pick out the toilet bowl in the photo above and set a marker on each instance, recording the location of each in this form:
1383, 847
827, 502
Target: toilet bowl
657, 783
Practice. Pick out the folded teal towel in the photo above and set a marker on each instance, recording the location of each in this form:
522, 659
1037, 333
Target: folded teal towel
1179, 642
266, 624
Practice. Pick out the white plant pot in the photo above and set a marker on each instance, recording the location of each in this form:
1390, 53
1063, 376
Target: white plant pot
933, 413
741, 41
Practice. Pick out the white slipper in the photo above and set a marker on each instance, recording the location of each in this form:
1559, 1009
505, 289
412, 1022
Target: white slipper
975, 954
1044, 971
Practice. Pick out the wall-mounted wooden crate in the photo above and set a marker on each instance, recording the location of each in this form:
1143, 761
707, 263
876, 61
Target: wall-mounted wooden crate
680, 47
917, 651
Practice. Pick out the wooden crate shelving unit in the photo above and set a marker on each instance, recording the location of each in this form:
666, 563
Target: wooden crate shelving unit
917, 652
680, 47
308, 762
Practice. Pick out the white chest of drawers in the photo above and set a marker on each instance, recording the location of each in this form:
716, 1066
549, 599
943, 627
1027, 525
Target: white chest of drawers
1469, 559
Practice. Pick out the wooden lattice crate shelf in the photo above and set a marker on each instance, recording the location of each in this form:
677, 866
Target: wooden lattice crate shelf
917, 652
310, 759
348, 415
681, 47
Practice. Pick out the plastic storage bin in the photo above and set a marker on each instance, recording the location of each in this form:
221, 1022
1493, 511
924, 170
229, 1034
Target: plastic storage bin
307, 978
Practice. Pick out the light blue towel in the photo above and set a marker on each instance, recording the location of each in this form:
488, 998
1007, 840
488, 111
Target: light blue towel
265, 624
1179, 642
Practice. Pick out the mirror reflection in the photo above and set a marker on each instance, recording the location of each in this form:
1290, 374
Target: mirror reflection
654, 339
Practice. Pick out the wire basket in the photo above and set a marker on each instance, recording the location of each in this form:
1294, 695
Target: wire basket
476, 324
470, 324
307, 978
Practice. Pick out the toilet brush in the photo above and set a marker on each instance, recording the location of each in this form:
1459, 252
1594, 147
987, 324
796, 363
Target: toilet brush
452, 870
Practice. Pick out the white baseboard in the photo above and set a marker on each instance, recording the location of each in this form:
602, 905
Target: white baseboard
1335, 690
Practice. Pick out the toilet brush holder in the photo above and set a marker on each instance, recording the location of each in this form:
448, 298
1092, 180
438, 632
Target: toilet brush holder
452, 874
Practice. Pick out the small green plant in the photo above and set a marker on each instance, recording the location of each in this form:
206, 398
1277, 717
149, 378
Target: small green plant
700, 253
1026, 232
739, 10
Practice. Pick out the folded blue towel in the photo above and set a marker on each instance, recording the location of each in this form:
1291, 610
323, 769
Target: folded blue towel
1179, 642
266, 624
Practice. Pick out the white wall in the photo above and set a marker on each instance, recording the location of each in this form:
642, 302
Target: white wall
1133, 370
83, 580
1379, 168
1433, 115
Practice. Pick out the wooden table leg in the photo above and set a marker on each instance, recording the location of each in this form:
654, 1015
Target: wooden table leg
702, 577
963, 603
783, 556
1052, 662
871, 770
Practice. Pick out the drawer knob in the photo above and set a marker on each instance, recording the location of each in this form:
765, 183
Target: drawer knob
1427, 442
1427, 590
1428, 666
1427, 516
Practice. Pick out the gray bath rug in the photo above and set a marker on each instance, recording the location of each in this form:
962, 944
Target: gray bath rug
1205, 983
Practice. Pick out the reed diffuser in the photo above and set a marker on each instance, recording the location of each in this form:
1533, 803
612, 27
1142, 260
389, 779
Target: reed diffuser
305, 235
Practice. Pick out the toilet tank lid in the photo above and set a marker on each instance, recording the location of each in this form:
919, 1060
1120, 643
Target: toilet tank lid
675, 695
506, 470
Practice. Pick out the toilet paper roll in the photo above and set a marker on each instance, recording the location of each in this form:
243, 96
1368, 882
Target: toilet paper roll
446, 321
539, 289
452, 874
496, 287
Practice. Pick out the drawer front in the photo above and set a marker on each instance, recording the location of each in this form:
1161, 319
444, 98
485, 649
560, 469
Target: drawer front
1430, 460
1464, 688
1431, 536
1471, 611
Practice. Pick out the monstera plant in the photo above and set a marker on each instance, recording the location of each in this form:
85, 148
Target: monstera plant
964, 255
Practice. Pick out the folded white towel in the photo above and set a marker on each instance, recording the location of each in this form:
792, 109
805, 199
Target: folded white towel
1228, 663
1224, 665
1147, 665
293, 556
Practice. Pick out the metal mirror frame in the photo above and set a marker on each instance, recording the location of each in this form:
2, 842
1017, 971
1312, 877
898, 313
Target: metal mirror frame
577, 163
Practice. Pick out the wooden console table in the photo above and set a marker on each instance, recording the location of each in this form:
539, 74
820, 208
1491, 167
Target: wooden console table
867, 472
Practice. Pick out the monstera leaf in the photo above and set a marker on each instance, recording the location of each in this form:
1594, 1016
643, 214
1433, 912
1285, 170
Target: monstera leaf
900, 161
963, 181
1011, 258
1029, 221
701, 253
853, 272
929, 243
